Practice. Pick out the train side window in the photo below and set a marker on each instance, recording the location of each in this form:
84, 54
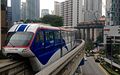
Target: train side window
49, 35
57, 34
62, 34
39, 37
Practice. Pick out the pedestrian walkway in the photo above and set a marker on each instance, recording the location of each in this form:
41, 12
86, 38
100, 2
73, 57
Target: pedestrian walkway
113, 63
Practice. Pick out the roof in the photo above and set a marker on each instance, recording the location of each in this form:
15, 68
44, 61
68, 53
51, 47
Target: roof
32, 27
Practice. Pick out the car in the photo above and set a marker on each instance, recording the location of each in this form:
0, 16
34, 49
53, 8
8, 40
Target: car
97, 57
87, 54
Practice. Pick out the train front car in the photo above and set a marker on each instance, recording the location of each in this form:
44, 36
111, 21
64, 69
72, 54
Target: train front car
18, 41
42, 44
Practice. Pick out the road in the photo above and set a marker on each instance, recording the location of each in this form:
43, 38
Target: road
92, 68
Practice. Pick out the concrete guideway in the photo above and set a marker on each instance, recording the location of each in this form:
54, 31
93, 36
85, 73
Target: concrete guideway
9, 67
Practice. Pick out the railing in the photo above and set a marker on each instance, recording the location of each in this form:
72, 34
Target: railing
67, 64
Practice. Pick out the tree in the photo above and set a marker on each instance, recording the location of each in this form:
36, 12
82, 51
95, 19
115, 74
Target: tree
89, 45
99, 38
52, 20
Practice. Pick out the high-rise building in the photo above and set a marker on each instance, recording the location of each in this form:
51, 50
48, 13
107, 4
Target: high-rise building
44, 12
9, 16
15, 4
33, 9
57, 8
72, 12
92, 10
23, 11
62, 9
113, 12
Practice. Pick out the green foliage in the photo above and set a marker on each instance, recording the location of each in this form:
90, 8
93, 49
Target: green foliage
89, 45
116, 48
107, 67
52, 20
31, 21
99, 38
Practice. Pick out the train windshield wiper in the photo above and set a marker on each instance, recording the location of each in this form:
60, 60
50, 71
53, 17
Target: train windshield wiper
11, 44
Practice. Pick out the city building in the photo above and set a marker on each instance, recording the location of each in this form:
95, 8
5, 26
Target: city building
71, 10
113, 12
23, 11
15, 4
62, 9
44, 12
9, 16
57, 8
3, 22
33, 9
112, 36
92, 10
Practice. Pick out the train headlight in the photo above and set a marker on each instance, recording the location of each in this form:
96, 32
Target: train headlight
24, 50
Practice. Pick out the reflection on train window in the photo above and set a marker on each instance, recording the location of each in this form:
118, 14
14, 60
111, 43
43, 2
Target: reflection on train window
39, 37
49, 35
19, 38
57, 35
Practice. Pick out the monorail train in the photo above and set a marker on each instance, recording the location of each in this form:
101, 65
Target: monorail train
42, 44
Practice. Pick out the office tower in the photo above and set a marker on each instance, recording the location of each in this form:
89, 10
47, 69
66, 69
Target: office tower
44, 12
92, 10
112, 12
15, 4
71, 10
33, 9
23, 11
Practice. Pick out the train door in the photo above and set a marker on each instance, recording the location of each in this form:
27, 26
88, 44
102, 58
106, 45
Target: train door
38, 44
49, 39
49, 49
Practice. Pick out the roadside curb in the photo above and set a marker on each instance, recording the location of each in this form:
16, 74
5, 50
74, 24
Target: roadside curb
106, 73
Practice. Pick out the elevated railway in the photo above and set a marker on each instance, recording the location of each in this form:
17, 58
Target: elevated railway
67, 65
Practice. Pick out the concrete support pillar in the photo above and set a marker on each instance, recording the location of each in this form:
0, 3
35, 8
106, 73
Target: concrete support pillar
80, 34
88, 34
84, 34
92, 34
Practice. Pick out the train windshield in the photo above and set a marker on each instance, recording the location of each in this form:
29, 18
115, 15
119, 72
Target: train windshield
18, 38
